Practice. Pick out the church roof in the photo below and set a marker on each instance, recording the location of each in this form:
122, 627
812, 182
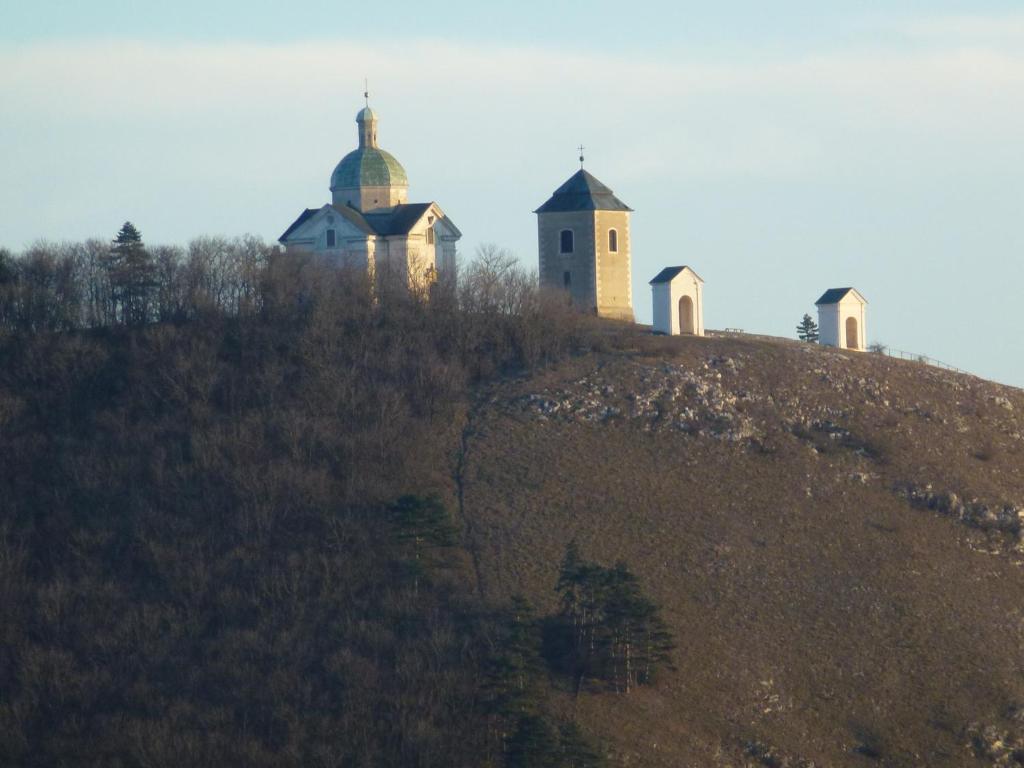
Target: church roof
369, 167
398, 220
669, 273
835, 295
583, 192
298, 223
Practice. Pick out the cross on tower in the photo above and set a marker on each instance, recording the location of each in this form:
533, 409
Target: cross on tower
366, 90
581, 155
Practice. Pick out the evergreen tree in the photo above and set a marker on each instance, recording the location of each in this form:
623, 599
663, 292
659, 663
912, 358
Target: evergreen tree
515, 671
534, 744
576, 752
807, 330
132, 276
607, 629
421, 527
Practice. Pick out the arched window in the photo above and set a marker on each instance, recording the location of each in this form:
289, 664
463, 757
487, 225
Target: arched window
332, 239
613, 241
566, 241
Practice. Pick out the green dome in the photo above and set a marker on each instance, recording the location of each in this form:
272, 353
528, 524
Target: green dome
369, 167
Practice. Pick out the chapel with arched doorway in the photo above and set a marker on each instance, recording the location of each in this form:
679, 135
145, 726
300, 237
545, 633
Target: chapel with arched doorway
677, 294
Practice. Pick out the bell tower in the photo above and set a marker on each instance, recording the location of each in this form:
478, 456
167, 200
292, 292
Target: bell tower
584, 246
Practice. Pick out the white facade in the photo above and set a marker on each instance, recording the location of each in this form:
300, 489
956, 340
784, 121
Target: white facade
369, 224
420, 253
678, 299
841, 319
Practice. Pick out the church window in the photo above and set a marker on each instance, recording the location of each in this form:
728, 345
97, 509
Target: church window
567, 279
332, 238
613, 241
566, 241
430, 236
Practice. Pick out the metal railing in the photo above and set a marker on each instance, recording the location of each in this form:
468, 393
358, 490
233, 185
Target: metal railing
880, 349
915, 356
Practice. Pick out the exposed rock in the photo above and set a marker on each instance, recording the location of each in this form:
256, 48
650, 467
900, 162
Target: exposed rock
1005, 518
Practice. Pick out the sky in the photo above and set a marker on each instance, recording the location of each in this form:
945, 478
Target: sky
779, 149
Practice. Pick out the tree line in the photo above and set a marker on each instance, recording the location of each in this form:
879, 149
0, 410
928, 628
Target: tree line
223, 539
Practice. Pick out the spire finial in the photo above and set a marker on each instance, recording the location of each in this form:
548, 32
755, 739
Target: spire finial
581, 155
366, 90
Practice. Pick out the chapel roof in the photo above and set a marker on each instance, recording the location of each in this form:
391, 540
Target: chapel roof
583, 192
669, 273
835, 295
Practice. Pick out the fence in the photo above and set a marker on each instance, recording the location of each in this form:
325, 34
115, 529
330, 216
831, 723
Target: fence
880, 349
904, 355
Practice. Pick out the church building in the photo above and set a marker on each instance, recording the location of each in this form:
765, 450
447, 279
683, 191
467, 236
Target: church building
369, 222
584, 246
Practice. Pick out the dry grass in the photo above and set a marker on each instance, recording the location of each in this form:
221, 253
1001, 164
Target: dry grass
819, 615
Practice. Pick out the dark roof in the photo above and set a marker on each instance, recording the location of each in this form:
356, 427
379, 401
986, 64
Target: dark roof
398, 220
835, 295
297, 223
668, 273
354, 216
582, 192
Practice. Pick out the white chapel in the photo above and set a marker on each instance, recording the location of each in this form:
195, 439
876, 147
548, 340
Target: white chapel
369, 222
677, 294
841, 316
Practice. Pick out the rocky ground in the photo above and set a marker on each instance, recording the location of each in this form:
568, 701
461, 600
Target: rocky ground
830, 521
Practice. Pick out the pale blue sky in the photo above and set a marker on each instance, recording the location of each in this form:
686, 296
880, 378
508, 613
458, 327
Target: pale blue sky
778, 148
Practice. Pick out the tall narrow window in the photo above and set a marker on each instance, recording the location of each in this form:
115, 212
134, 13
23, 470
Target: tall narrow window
613, 241
331, 238
430, 236
566, 241
566, 279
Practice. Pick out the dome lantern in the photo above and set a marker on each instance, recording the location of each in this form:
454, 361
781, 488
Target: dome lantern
368, 178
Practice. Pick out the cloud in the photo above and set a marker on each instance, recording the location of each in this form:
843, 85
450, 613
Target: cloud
971, 30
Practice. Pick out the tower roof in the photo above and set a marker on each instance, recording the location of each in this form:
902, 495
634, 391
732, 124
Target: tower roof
365, 114
583, 192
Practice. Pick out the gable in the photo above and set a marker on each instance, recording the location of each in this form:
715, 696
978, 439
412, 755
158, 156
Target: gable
313, 222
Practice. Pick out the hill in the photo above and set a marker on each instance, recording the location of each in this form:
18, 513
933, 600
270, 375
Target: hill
311, 528
833, 537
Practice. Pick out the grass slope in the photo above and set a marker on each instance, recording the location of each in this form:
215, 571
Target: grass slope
788, 507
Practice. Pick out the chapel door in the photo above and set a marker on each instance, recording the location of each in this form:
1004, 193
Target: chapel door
686, 315
852, 337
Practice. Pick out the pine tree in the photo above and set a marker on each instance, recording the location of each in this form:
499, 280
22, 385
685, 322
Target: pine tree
534, 744
807, 330
576, 752
421, 527
609, 631
132, 276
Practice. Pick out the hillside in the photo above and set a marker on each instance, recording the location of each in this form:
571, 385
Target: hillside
321, 527
833, 537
